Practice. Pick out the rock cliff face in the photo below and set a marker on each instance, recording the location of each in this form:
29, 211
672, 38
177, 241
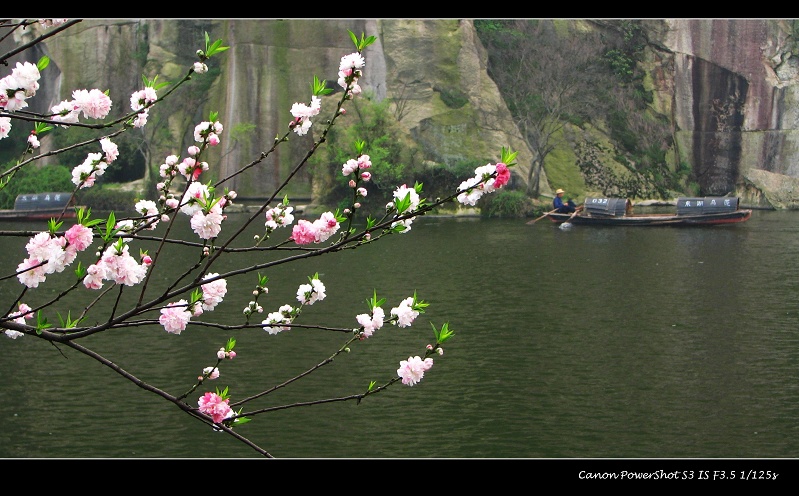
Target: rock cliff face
729, 87
269, 66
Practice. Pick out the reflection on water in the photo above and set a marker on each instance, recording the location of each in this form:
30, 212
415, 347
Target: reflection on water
588, 342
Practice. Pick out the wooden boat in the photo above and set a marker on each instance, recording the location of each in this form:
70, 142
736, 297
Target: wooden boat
702, 211
41, 206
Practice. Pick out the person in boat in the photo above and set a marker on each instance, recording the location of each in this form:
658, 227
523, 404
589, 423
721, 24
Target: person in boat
560, 206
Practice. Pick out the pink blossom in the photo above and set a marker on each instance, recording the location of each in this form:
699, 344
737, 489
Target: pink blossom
175, 317
141, 119
469, 197
304, 232
503, 175
276, 322
213, 372
204, 129
403, 191
412, 370
121, 267
213, 292
94, 104
23, 313
27, 76
70, 254
19, 317
139, 99
66, 112
28, 276
79, 236
405, 313
308, 294
349, 167
110, 149
301, 126
353, 60
207, 226
44, 247
279, 216
95, 274
372, 322
5, 127
213, 405
13, 95
194, 198
47, 23
326, 225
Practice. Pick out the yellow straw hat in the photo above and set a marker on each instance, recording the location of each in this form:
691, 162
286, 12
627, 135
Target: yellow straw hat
559, 191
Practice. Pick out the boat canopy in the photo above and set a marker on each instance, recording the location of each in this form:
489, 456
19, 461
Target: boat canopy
605, 206
706, 205
41, 201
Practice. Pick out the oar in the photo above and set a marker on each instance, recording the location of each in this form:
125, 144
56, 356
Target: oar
567, 224
536, 220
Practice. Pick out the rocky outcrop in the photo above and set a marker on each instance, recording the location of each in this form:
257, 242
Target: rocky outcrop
435, 68
765, 189
730, 87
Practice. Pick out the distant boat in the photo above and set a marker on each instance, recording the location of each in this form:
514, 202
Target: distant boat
41, 206
702, 211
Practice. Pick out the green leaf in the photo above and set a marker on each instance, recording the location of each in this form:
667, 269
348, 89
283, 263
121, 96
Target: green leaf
507, 157
69, 323
360, 145
320, 88
444, 334
43, 63
196, 296
41, 322
223, 394
53, 226
403, 204
213, 48
363, 42
109, 226
80, 271
41, 127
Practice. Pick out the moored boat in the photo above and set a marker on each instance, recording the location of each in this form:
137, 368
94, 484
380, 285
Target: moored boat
41, 206
701, 211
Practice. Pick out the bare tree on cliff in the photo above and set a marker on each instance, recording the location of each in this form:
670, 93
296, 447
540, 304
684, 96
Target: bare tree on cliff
549, 77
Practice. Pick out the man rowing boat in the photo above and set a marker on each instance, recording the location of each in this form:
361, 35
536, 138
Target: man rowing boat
560, 206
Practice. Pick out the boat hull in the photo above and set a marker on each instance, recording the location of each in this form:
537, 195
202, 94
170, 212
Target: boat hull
643, 220
37, 214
